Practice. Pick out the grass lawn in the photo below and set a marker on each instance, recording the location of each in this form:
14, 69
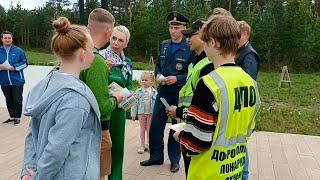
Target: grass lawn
39, 58
47, 59
295, 110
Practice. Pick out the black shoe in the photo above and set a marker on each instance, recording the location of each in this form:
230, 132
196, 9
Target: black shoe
174, 167
16, 121
8, 120
150, 163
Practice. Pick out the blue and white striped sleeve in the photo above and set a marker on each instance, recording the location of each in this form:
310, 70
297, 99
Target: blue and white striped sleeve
22, 63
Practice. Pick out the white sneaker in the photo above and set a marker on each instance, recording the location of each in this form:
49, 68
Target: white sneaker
141, 150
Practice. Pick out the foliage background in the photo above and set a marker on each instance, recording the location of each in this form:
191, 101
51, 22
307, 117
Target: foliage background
284, 32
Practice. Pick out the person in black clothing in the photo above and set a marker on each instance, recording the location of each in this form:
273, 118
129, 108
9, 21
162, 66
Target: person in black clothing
247, 57
171, 72
199, 67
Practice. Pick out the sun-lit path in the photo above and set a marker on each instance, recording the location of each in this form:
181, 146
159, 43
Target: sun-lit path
272, 155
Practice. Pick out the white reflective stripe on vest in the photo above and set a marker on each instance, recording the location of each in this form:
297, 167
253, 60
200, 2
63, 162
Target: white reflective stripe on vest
185, 99
221, 140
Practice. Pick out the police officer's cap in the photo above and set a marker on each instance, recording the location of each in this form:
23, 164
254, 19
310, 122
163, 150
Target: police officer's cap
176, 18
196, 26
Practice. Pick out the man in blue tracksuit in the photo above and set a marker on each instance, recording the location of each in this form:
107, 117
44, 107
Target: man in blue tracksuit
12, 62
171, 71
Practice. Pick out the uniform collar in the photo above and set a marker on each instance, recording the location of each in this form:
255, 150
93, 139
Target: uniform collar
183, 45
229, 64
245, 45
199, 57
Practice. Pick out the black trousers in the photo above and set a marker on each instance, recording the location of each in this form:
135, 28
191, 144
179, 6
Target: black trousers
187, 160
13, 96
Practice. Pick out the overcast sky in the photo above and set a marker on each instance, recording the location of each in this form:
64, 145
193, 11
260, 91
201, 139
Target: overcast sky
27, 4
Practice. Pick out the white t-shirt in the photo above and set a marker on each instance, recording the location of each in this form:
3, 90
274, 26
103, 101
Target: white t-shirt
147, 94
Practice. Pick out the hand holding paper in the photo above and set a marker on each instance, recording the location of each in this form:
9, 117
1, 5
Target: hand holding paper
116, 91
111, 62
171, 112
126, 100
177, 127
164, 102
6, 67
170, 80
161, 79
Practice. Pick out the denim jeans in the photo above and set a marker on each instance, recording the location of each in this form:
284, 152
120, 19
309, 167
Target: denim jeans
245, 175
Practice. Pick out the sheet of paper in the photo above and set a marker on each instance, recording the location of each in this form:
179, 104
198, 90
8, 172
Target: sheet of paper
177, 127
5, 65
164, 102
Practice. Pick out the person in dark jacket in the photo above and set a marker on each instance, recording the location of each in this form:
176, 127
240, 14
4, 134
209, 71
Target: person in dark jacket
12, 62
171, 72
247, 57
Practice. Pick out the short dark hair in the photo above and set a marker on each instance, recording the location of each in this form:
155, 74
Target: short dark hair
102, 16
225, 30
6, 32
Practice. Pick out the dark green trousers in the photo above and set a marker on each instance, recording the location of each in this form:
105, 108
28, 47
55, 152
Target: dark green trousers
117, 132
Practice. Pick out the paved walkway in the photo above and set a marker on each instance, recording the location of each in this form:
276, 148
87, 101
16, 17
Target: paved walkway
34, 74
272, 155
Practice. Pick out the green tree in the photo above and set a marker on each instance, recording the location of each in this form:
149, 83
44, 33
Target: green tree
267, 32
2, 18
141, 29
299, 22
89, 6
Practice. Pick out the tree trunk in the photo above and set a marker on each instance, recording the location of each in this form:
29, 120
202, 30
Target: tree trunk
317, 7
104, 4
81, 11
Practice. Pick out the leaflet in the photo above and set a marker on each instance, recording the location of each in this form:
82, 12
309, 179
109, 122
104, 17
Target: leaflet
128, 101
164, 102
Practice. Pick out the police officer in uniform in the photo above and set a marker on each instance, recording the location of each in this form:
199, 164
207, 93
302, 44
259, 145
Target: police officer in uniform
171, 71
199, 67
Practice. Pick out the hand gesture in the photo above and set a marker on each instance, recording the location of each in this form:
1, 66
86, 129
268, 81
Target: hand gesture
171, 80
176, 136
110, 62
161, 83
30, 175
118, 95
11, 68
171, 112
5, 68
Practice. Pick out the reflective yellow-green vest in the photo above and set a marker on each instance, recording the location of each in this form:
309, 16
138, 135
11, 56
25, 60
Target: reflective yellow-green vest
237, 101
186, 92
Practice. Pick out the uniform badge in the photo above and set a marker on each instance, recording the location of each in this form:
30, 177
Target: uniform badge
179, 66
